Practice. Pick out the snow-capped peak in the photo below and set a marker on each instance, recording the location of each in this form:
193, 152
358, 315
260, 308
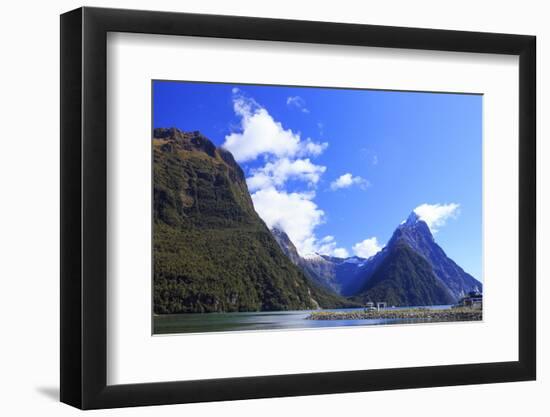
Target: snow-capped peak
313, 257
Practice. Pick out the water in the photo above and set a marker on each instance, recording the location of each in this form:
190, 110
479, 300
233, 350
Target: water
224, 322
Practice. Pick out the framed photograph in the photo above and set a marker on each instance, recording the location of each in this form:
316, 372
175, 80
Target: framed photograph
255, 208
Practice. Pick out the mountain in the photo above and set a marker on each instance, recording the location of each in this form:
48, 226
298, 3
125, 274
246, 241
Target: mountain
332, 273
417, 235
412, 269
404, 278
348, 271
322, 270
212, 252
410, 262
286, 245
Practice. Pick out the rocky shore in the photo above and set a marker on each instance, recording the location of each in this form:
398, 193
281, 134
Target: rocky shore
424, 314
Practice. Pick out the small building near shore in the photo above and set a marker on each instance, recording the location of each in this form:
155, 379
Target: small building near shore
369, 306
474, 299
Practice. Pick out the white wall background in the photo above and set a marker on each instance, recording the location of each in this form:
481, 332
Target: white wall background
29, 213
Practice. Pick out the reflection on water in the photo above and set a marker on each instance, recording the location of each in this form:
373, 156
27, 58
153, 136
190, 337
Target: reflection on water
223, 322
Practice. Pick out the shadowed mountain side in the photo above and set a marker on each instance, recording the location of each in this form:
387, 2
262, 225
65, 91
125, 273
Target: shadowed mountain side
404, 278
334, 274
212, 252
318, 270
418, 236
412, 268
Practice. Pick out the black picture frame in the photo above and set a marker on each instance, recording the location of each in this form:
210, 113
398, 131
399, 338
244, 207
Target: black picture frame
84, 207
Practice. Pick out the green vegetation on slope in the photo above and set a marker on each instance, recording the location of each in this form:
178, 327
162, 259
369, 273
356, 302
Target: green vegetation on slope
404, 278
212, 252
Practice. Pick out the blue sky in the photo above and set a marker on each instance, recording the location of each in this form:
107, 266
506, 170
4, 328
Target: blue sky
339, 169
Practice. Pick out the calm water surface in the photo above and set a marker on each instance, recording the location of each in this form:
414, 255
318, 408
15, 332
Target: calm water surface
223, 322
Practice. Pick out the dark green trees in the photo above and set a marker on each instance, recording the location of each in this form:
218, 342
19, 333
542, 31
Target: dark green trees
212, 252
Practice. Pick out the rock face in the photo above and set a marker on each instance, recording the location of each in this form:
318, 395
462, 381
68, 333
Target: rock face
413, 253
322, 270
411, 270
212, 252
286, 245
417, 235
404, 278
334, 274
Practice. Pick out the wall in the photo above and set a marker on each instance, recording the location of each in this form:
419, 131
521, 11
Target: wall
29, 225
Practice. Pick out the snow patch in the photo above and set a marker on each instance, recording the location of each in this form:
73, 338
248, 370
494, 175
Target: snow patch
352, 260
313, 257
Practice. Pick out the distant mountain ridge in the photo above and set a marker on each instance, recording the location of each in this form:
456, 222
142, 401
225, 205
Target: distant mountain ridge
412, 269
330, 272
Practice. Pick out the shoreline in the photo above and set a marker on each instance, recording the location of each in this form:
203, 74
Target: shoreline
451, 314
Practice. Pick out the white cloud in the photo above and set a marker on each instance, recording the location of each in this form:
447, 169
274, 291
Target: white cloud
340, 253
294, 213
278, 172
436, 215
261, 134
297, 102
347, 180
298, 216
285, 155
367, 247
313, 148
328, 246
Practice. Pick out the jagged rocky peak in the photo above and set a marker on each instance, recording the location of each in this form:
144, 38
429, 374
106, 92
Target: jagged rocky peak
416, 234
286, 245
413, 228
412, 219
276, 231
